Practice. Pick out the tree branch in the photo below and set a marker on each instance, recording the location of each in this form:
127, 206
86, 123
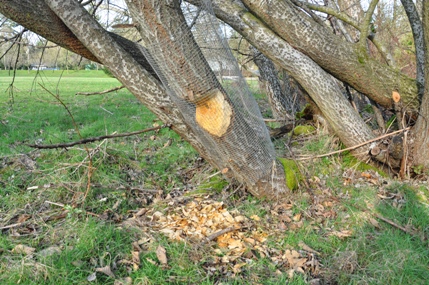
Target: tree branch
364, 29
348, 20
93, 139
100, 92
327, 10
355, 146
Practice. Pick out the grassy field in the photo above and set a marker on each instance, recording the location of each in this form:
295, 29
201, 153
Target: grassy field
135, 209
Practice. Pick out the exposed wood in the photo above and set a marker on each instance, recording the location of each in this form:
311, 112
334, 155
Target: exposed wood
214, 114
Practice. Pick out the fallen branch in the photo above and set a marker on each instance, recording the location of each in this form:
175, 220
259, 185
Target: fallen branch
100, 92
11, 226
405, 230
355, 146
218, 234
93, 139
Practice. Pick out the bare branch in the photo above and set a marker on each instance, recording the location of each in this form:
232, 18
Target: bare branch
93, 139
356, 146
100, 92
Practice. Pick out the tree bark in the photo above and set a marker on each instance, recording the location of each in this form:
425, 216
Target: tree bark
343, 60
321, 87
268, 75
420, 133
36, 16
417, 29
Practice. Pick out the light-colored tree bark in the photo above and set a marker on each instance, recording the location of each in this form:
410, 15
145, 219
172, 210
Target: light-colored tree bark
346, 61
416, 26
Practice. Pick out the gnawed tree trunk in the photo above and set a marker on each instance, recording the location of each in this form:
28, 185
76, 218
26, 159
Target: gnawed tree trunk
325, 92
243, 156
269, 79
239, 144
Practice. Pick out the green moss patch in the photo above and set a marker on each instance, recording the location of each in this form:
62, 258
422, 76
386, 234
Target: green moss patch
292, 173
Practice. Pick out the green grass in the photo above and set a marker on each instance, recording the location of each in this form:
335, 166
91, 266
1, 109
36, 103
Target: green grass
43, 190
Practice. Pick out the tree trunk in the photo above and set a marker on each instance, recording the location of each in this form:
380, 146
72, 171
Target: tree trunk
244, 158
420, 133
321, 87
268, 76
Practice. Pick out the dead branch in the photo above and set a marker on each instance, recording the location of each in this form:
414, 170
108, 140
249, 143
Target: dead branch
218, 234
100, 92
355, 146
405, 230
93, 139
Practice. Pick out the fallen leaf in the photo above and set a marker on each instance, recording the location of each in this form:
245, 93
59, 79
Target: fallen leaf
341, 234
255, 218
49, 251
124, 281
307, 248
297, 217
136, 259
92, 277
23, 218
23, 249
374, 222
105, 270
151, 261
161, 255
168, 143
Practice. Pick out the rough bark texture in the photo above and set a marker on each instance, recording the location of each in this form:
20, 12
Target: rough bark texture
343, 60
416, 26
420, 147
188, 75
149, 90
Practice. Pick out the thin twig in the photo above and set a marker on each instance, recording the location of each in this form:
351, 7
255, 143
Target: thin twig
390, 222
11, 226
218, 234
355, 146
93, 139
100, 92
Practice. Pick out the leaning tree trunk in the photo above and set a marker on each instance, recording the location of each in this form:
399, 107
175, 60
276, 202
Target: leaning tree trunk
343, 60
321, 87
224, 144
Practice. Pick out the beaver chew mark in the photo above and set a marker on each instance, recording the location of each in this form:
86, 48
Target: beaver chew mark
214, 114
